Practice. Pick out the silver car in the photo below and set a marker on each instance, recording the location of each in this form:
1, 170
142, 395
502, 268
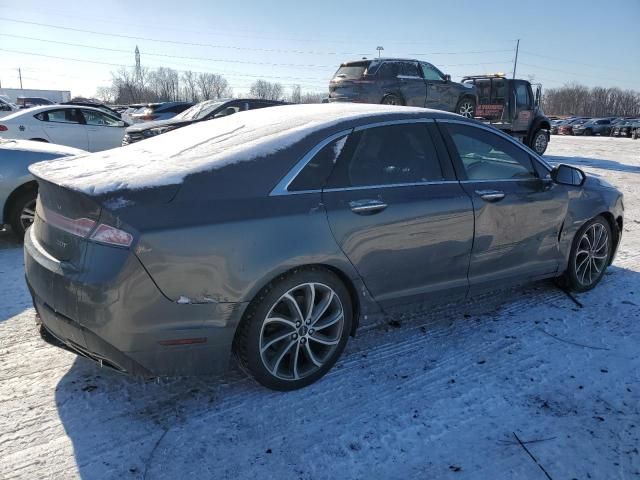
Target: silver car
18, 189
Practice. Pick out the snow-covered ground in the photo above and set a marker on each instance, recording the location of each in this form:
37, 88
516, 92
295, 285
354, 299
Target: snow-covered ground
443, 395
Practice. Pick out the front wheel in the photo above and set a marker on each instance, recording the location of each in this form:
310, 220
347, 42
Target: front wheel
636, 134
391, 100
590, 255
539, 142
296, 329
22, 212
466, 107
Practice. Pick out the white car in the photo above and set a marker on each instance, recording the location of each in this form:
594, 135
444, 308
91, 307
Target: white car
86, 128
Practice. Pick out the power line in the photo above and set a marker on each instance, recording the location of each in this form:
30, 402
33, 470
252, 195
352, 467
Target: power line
579, 63
570, 73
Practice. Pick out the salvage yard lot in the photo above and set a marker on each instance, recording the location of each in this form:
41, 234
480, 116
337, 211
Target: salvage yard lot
440, 395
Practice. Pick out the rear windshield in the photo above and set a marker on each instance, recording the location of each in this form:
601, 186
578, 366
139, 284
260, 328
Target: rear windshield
352, 71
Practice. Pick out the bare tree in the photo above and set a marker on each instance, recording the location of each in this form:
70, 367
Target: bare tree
296, 94
190, 88
213, 86
576, 99
266, 90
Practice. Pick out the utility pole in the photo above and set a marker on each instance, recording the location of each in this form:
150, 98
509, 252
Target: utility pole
515, 62
20, 75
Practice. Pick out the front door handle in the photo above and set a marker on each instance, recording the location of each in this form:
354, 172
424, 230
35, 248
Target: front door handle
367, 207
490, 195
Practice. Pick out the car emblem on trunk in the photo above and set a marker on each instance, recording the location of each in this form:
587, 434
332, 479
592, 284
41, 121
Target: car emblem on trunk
62, 244
21, 128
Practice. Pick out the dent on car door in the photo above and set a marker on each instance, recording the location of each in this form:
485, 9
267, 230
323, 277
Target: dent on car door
64, 127
399, 216
519, 213
436, 88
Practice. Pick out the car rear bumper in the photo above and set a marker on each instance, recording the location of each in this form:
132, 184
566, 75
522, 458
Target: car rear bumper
124, 322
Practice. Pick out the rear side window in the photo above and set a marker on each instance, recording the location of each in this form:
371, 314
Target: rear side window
395, 154
67, 115
388, 70
352, 71
314, 175
409, 69
487, 156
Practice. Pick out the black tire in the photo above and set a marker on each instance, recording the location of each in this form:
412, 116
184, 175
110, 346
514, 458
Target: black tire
539, 141
466, 107
248, 343
588, 132
635, 134
24, 200
39, 140
570, 279
392, 99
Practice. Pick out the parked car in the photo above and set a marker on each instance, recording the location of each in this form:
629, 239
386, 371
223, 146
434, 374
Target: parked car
395, 81
273, 233
86, 128
28, 102
6, 108
595, 126
18, 189
126, 112
510, 105
555, 124
158, 111
567, 127
623, 128
635, 129
99, 106
207, 110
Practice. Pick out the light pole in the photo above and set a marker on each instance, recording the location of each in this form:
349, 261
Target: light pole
380, 48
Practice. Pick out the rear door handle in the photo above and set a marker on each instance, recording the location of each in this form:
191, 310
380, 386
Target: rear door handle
490, 195
367, 207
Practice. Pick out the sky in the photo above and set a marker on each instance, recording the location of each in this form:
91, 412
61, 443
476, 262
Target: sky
75, 45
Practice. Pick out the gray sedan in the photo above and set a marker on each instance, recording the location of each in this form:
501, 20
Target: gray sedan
18, 189
275, 233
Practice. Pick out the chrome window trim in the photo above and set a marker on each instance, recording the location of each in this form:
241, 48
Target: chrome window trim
282, 188
409, 77
390, 185
500, 133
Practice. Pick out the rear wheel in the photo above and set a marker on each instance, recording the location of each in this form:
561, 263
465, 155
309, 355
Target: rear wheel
466, 107
22, 212
590, 255
539, 141
296, 329
588, 132
635, 134
391, 100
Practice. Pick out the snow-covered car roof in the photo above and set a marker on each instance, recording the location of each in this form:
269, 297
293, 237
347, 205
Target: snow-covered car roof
40, 147
167, 159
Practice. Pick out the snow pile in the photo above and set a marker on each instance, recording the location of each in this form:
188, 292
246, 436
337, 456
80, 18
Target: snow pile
168, 158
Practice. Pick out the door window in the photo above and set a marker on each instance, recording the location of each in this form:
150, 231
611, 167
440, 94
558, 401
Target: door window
522, 96
487, 156
99, 119
388, 70
67, 115
409, 69
430, 73
395, 154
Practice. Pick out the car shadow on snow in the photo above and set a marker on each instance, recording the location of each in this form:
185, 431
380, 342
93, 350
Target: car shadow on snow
14, 296
123, 427
593, 163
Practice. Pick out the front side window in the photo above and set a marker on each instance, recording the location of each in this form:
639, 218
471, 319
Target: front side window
430, 73
388, 70
314, 175
522, 96
395, 154
67, 115
487, 156
99, 119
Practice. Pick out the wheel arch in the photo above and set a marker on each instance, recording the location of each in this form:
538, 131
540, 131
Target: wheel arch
31, 185
616, 229
395, 94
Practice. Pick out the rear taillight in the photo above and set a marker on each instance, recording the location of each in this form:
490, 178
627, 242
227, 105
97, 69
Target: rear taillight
3, 128
112, 236
80, 227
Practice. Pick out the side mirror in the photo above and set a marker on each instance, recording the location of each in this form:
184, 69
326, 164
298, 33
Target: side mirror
122, 124
568, 175
447, 78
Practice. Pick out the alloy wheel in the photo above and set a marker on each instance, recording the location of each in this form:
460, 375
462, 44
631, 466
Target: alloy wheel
540, 144
28, 214
466, 109
592, 254
301, 331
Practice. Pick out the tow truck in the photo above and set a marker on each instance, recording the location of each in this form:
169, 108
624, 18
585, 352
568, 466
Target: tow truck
511, 106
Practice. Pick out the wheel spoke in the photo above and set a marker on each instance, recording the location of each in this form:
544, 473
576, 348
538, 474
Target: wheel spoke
322, 307
312, 357
274, 341
310, 300
331, 321
595, 265
324, 340
296, 376
284, 351
293, 305
582, 263
280, 320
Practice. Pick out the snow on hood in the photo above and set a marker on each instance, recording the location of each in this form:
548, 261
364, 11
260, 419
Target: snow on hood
167, 159
39, 147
